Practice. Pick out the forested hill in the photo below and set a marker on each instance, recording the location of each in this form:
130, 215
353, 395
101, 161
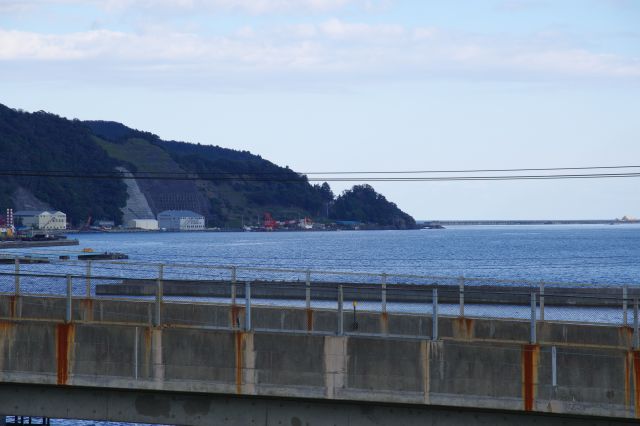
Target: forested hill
363, 204
41, 141
228, 187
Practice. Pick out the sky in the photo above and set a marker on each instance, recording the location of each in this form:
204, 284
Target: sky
358, 85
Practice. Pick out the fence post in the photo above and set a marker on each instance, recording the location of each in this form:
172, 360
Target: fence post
384, 294
340, 310
158, 318
541, 300
533, 318
636, 338
461, 293
234, 277
434, 316
624, 305
67, 318
247, 306
88, 279
17, 277
307, 296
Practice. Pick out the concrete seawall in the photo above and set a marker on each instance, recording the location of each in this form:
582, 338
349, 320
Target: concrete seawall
572, 369
296, 290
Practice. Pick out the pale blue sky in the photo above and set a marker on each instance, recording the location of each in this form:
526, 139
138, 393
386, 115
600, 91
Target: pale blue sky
322, 85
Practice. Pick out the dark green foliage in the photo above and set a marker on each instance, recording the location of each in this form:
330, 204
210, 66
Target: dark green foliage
45, 142
362, 203
235, 186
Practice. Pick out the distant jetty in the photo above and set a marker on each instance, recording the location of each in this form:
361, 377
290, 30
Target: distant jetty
12, 244
435, 223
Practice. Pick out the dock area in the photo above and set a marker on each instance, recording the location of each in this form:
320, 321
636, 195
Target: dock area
44, 243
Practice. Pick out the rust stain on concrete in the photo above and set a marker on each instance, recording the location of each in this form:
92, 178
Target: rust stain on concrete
625, 333
13, 300
530, 358
87, 307
463, 328
148, 334
235, 313
309, 319
146, 360
384, 322
239, 337
65, 336
628, 359
636, 382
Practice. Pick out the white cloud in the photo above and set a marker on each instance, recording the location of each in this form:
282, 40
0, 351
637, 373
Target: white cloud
333, 50
199, 6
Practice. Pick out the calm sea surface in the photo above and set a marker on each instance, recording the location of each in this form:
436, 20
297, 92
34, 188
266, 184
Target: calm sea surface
586, 254
591, 254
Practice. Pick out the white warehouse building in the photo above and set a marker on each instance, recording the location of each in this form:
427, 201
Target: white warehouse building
43, 220
146, 224
180, 220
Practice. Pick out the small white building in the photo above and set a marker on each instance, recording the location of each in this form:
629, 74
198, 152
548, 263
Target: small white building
180, 220
146, 224
43, 220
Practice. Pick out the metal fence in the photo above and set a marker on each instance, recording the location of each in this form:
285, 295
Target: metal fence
334, 302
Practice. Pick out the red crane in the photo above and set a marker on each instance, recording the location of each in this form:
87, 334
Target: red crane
268, 222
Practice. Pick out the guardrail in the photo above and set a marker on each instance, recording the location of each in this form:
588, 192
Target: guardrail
333, 302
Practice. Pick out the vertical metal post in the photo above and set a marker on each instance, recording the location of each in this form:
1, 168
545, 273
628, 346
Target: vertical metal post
541, 300
17, 277
307, 296
247, 306
384, 293
533, 318
636, 338
434, 315
461, 293
340, 310
67, 318
625, 290
88, 279
158, 318
234, 277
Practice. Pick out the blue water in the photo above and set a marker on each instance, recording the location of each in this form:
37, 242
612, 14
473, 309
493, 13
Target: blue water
587, 254
584, 254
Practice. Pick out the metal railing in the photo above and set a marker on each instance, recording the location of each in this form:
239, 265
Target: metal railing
331, 302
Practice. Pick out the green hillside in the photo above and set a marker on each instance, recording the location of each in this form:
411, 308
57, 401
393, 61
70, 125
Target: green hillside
42, 141
228, 187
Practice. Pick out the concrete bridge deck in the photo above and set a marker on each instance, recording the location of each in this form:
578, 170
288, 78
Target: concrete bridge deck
193, 363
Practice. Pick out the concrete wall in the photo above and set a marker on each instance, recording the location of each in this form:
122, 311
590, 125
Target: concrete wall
475, 364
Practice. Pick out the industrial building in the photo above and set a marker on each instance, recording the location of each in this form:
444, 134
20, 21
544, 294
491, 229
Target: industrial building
146, 224
42, 220
180, 220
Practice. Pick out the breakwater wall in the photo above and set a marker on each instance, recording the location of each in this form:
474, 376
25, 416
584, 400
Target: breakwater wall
403, 293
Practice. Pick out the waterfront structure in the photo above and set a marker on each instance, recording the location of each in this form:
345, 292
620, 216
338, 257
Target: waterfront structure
146, 224
42, 220
180, 220
104, 223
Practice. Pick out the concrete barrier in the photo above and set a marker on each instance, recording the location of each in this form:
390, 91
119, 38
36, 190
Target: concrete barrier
574, 369
401, 293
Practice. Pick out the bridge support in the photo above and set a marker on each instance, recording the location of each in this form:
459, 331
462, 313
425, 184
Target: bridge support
207, 409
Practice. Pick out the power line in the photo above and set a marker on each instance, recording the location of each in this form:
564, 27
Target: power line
252, 178
350, 172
